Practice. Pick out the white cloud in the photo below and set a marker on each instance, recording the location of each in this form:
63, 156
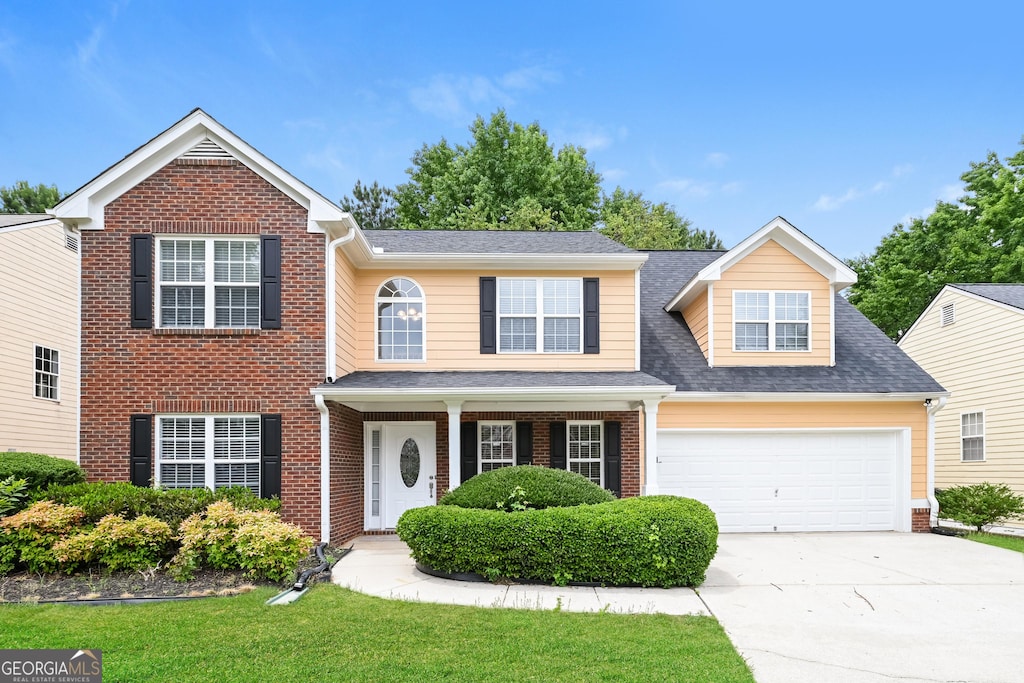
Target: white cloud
716, 159
448, 96
687, 187
951, 193
85, 53
878, 187
734, 187
529, 78
613, 175
828, 202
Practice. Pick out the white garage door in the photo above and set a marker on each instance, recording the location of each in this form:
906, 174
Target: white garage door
786, 481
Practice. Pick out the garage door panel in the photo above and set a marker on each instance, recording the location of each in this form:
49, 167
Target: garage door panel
785, 481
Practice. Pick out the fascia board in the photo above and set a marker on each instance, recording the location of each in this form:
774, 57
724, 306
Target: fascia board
523, 394
928, 309
796, 397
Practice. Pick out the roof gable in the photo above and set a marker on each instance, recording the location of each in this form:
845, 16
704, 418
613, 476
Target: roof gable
196, 135
1009, 297
780, 231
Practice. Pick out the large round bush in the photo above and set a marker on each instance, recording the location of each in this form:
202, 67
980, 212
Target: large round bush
544, 487
649, 541
39, 470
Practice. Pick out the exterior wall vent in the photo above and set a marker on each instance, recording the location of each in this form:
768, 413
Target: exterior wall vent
71, 241
948, 314
207, 149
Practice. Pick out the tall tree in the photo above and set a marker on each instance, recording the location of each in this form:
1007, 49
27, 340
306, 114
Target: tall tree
508, 177
978, 239
639, 223
373, 206
24, 198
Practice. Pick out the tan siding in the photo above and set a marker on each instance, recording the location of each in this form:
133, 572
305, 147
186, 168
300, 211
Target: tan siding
453, 324
39, 305
772, 267
696, 317
787, 415
345, 320
978, 358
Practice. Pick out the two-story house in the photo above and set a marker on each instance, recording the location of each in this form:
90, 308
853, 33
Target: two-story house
240, 329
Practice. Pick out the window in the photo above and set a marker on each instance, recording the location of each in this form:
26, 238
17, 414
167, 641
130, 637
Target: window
209, 282
972, 437
210, 451
585, 450
948, 316
400, 321
777, 321
47, 373
551, 306
497, 447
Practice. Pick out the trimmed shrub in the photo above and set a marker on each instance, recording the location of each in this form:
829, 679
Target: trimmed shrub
118, 544
979, 505
544, 487
13, 493
649, 541
224, 537
39, 470
27, 538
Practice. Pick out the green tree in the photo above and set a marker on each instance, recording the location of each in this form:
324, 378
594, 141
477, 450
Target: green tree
978, 239
508, 177
24, 198
373, 206
638, 223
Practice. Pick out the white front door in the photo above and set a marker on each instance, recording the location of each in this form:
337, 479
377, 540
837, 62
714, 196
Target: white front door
408, 469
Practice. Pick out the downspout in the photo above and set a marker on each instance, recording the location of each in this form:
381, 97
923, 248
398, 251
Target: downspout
932, 406
325, 468
332, 309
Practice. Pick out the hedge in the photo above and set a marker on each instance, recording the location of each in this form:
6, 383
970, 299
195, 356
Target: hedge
39, 470
545, 488
649, 541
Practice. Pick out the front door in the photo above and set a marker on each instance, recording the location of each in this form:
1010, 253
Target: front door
408, 475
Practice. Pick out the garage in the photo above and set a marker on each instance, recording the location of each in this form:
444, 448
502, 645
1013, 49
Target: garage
800, 480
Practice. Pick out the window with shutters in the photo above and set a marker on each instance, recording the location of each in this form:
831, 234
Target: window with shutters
208, 282
211, 451
972, 437
586, 449
540, 315
771, 321
497, 445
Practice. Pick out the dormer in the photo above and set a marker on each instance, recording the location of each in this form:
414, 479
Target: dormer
768, 301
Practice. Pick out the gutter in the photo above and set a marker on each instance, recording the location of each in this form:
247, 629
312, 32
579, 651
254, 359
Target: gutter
933, 504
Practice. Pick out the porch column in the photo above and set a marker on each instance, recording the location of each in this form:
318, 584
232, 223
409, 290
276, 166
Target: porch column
454, 444
650, 448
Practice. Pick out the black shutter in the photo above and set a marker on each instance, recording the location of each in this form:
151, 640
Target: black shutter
140, 455
613, 457
591, 315
524, 443
488, 315
270, 282
468, 455
558, 446
270, 456
142, 281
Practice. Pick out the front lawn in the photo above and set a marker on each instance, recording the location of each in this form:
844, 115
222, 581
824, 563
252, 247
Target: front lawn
336, 634
1008, 542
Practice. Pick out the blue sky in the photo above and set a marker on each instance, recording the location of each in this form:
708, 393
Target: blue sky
845, 118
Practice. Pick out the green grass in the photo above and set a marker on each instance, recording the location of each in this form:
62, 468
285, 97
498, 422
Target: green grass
1008, 542
336, 634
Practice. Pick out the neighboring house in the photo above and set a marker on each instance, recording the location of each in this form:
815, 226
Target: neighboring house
39, 342
241, 329
970, 338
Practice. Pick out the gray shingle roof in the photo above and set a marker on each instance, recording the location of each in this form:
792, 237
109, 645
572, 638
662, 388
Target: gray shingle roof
1009, 294
492, 242
866, 360
483, 380
9, 219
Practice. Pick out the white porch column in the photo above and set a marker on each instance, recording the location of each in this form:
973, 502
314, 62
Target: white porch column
454, 444
651, 448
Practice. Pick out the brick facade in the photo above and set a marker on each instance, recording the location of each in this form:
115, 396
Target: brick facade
920, 520
126, 371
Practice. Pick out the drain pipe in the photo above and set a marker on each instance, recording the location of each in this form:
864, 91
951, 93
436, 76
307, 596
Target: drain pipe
325, 468
932, 406
300, 586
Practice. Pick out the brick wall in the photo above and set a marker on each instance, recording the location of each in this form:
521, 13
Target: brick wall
920, 520
127, 371
347, 477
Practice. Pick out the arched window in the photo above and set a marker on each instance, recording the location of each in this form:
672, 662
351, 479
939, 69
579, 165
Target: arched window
400, 320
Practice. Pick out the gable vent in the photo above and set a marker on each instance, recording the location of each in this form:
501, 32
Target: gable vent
71, 241
948, 314
207, 149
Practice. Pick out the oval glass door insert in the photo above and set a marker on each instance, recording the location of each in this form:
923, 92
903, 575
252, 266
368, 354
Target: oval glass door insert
409, 463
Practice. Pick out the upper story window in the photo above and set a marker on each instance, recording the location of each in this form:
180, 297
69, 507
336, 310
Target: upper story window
400, 321
771, 321
208, 282
47, 373
972, 437
540, 315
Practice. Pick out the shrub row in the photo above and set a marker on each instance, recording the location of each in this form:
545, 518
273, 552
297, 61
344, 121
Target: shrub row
980, 505
545, 488
39, 471
649, 541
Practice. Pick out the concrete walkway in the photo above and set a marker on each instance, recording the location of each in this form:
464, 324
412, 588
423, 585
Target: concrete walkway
381, 566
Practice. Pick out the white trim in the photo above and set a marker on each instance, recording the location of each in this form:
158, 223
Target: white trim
601, 450
209, 440
325, 469
38, 222
772, 321
933, 503
479, 442
78, 360
539, 315
650, 458
564, 393
961, 437
794, 396
831, 326
376, 321
711, 324
636, 320
454, 409
56, 375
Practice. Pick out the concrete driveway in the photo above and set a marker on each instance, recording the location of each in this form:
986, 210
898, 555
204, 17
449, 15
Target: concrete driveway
870, 607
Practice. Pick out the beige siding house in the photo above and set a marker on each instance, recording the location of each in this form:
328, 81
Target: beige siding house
39, 344
971, 339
